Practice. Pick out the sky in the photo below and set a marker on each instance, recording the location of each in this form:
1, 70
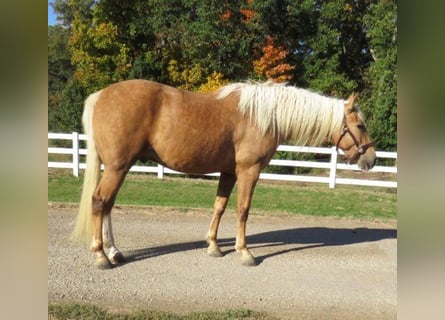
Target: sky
51, 16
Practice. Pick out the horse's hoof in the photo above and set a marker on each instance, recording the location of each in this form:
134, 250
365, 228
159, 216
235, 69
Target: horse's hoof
248, 261
117, 258
214, 252
103, 264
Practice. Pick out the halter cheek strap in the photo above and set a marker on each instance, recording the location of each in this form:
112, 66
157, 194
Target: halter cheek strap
359, 149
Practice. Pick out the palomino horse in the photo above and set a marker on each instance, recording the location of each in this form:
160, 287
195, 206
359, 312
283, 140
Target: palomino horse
234, 131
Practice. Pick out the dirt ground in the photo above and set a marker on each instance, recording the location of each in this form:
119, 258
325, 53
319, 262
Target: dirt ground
308, 267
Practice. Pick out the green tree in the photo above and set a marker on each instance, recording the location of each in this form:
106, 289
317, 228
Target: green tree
194, 34
68, 116
96, 50
60, 70
292, 24
338, 47
65, 12
380, 96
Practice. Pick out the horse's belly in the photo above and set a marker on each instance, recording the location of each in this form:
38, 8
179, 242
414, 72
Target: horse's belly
196, 159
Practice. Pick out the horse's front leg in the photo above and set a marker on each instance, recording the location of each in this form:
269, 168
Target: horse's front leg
247, 180
225, 186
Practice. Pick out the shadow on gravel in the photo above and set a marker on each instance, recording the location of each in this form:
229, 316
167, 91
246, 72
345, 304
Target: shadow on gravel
301, 238
316, 237
146, 253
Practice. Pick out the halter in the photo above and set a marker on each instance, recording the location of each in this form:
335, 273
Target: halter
359, 149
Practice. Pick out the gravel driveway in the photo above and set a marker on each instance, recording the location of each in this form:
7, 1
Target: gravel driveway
309, 267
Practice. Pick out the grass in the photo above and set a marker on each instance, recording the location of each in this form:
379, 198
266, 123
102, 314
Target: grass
186, 193
91, 312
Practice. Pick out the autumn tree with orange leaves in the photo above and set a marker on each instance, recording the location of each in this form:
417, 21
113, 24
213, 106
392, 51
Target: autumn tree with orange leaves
272, 64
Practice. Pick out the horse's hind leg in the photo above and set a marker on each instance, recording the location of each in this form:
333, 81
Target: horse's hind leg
225, 186
113, 254
103, 200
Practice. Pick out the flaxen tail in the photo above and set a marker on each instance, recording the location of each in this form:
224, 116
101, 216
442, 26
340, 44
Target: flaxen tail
83, 230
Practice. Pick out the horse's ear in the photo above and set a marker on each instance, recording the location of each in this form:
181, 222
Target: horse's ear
349, 104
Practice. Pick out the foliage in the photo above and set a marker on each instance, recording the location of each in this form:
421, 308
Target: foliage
381, 77
272, 65
59, 65
68, 116
337, 60
100, 58
185, 78
335, 47
60, 71
214, 81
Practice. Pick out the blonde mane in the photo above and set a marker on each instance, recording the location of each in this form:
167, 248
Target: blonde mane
288, 113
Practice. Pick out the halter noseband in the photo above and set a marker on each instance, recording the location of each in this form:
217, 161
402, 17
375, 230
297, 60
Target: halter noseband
359, 149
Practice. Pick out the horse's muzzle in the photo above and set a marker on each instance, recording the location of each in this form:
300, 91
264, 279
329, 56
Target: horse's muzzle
366, 161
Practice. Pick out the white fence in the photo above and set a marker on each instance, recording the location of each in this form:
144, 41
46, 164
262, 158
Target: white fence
332, 166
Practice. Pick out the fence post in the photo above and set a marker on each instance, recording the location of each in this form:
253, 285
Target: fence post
75, 154
160, 171
333, 169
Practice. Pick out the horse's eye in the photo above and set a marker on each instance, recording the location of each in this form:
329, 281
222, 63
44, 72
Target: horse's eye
361, 127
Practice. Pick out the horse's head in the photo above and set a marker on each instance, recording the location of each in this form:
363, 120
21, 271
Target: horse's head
353, 138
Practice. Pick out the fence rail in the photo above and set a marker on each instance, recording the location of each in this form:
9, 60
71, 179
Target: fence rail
332, 166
